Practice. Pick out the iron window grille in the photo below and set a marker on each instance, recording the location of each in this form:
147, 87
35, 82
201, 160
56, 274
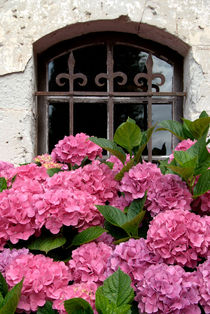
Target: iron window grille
92, 83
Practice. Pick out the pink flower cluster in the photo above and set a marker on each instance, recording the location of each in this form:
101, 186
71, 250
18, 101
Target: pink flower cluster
139, 179
179, 237
133, 257
95, 178
203, 273
7, 256
168, 192
73, 149
82, 290
69, 207
42, 278
168, 289
18, 215
89, 263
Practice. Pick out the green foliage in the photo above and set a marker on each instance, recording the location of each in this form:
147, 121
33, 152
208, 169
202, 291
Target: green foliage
77, 305
88, 235
116, 294
129, 138
52, 171
189, 129
127, 221
46, 309
46, 243
3, 184
3, 286
9, 300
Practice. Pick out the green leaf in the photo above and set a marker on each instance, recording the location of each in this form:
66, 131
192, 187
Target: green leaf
3, 286
128, 135
112, 214
203, 184
131, 226
125, 168
11, 299
116, 232
47, 244
174, 127
146, 135
117, 288
110, 146
46, 309
136, 206
198, 127
77, 306
186, 159
1, 300
104, 306
185, 173
88, 235
203, 114
3, 184
52, 171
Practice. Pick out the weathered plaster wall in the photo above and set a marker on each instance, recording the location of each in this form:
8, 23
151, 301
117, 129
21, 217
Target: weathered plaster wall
23, 22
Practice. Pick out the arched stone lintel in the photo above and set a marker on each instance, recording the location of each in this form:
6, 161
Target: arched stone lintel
122, 24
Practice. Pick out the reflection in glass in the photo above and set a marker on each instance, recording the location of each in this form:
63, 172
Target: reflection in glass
90, 61
137, 112
161, 140
90, 118
166, 69
55, 67
58, 123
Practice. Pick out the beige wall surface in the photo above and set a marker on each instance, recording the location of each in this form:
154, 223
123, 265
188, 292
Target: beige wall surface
183, 25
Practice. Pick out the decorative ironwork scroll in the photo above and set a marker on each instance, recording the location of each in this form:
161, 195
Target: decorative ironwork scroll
71, 76
149, 76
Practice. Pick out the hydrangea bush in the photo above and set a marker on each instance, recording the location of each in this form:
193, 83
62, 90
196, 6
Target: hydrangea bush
79, 234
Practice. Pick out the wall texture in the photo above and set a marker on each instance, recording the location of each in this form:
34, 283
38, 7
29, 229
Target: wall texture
183, 25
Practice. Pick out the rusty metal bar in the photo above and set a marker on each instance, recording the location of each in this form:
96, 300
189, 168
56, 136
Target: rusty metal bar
80, 93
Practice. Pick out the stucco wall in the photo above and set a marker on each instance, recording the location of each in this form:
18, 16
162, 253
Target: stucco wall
184, 25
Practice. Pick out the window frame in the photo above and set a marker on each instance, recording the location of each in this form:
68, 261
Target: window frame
109, 38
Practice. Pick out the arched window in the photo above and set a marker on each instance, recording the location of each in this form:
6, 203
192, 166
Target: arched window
92, 83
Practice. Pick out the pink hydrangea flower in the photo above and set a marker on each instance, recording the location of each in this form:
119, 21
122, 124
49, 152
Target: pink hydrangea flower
117, 164
89, 262
179, 237
42, 277
183, 145
168, 192
69, 207
133, 257
106, 239
73, 149
167, 289
204, 286
95, 178
139, 179
82, 290
7, 256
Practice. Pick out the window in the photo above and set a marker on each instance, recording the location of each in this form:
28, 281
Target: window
91, 84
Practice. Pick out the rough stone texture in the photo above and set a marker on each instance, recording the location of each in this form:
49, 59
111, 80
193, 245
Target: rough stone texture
183, 25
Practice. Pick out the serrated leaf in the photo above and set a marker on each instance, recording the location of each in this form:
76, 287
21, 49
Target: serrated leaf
110, 146
104, 306
174, 127
203, 184
117, 288
77, 305
136, 206
3, 286
128, 135
46, 309
131, 226
3, 184
198, 127
112, 214
52, 171
186, 159
185, 173
47, 244
11, 299
88, 235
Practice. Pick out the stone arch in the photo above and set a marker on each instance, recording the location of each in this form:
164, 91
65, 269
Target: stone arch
121, 24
